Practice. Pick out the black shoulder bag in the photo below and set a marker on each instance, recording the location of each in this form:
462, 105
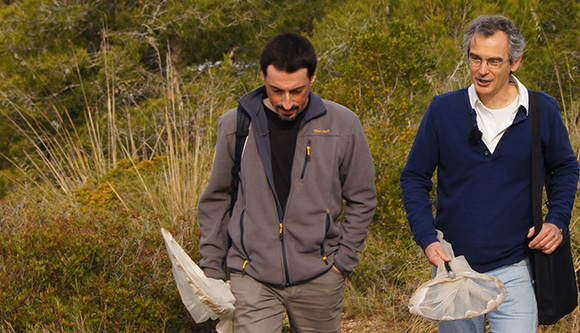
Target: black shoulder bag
242, 130
554, 276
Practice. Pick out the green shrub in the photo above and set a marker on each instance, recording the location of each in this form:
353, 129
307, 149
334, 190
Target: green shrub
385, 81
101, 271
139, 87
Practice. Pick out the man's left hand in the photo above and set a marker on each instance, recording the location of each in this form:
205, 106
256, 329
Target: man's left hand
337, 269
548, 239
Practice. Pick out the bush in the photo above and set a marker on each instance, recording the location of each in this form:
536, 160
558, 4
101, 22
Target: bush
119, 101
101, 271
385, 81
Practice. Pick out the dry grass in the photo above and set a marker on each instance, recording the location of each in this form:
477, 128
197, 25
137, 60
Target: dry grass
65, 160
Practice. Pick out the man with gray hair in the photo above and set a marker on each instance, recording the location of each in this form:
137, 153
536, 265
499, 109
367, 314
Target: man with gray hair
478, 138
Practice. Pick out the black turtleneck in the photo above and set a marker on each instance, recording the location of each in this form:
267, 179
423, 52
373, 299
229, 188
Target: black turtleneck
283, 134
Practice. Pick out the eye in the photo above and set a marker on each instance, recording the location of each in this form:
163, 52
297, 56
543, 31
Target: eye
494, 62
475, 61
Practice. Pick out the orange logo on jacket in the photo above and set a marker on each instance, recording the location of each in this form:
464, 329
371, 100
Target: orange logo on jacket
321, 131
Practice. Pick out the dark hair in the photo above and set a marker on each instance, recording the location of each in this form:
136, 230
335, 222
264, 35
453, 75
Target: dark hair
289, 52
488, 25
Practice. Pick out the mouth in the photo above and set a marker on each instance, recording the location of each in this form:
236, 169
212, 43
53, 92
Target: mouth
289, 112
482, 82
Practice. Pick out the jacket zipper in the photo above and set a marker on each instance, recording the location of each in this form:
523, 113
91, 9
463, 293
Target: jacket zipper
306, 158
247, 259
281, 231
284, 253
325, 258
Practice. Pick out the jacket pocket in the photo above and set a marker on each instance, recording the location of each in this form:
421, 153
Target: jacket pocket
306, 158
327, 226
245, 253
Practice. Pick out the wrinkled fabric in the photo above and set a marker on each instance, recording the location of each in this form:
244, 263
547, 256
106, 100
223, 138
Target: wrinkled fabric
329, 208
483, 200
203, 297
457, 293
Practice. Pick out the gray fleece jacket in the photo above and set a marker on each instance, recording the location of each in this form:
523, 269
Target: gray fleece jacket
332, 163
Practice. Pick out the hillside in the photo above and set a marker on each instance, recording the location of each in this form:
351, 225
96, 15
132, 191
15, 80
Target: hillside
109, 117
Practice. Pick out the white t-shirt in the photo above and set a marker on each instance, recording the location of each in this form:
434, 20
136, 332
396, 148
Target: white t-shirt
494, 122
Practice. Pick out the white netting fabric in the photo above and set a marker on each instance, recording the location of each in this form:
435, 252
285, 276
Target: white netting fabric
457, 291
203, 297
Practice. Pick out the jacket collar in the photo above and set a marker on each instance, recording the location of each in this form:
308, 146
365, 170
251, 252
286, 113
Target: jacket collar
252, 103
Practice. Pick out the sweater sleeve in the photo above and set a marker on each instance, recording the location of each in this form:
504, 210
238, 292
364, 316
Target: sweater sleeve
358, 190
416, 180
213, 208
560, 163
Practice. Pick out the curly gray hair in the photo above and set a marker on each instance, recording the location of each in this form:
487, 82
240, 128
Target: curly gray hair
488, 25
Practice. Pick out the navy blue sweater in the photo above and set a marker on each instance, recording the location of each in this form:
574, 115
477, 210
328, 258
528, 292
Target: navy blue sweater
483, 199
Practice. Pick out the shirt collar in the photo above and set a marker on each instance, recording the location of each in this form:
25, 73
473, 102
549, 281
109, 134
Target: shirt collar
522, 91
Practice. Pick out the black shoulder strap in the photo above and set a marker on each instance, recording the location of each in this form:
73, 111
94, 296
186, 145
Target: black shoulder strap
243, 125
536, 160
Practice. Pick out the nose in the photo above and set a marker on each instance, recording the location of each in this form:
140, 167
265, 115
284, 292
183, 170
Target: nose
483, 68
287, 101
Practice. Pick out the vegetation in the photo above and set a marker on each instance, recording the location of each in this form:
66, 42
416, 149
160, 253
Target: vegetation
109, 114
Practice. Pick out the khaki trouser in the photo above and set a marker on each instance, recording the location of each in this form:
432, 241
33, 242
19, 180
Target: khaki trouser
313, 306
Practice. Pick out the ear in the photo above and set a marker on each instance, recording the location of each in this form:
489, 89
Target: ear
313, 78
516, 65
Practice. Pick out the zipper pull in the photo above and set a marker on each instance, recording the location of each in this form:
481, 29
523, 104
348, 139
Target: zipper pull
281, 230
244, 266
306, 159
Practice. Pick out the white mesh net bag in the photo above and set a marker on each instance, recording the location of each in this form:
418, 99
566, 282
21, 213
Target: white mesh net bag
203, 297
457, 291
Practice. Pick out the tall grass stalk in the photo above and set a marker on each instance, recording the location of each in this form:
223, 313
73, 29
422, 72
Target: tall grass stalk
60, 160
67, 162
183, 141
93, 131
113, 135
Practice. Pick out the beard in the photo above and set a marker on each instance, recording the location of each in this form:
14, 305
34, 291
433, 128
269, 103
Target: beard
287, 115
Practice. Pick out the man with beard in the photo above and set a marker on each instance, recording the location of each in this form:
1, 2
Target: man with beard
283, 242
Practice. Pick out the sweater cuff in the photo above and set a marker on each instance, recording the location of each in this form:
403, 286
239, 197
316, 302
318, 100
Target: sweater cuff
214, 273
344, 271
563, 226
427, 240
346, 263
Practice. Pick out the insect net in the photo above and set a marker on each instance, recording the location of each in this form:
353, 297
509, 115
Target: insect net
203, 297
457, 291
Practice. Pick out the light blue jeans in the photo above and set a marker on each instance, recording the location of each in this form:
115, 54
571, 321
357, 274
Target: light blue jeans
517, 314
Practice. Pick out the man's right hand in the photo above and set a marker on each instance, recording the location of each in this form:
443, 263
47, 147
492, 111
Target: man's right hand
434, 251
